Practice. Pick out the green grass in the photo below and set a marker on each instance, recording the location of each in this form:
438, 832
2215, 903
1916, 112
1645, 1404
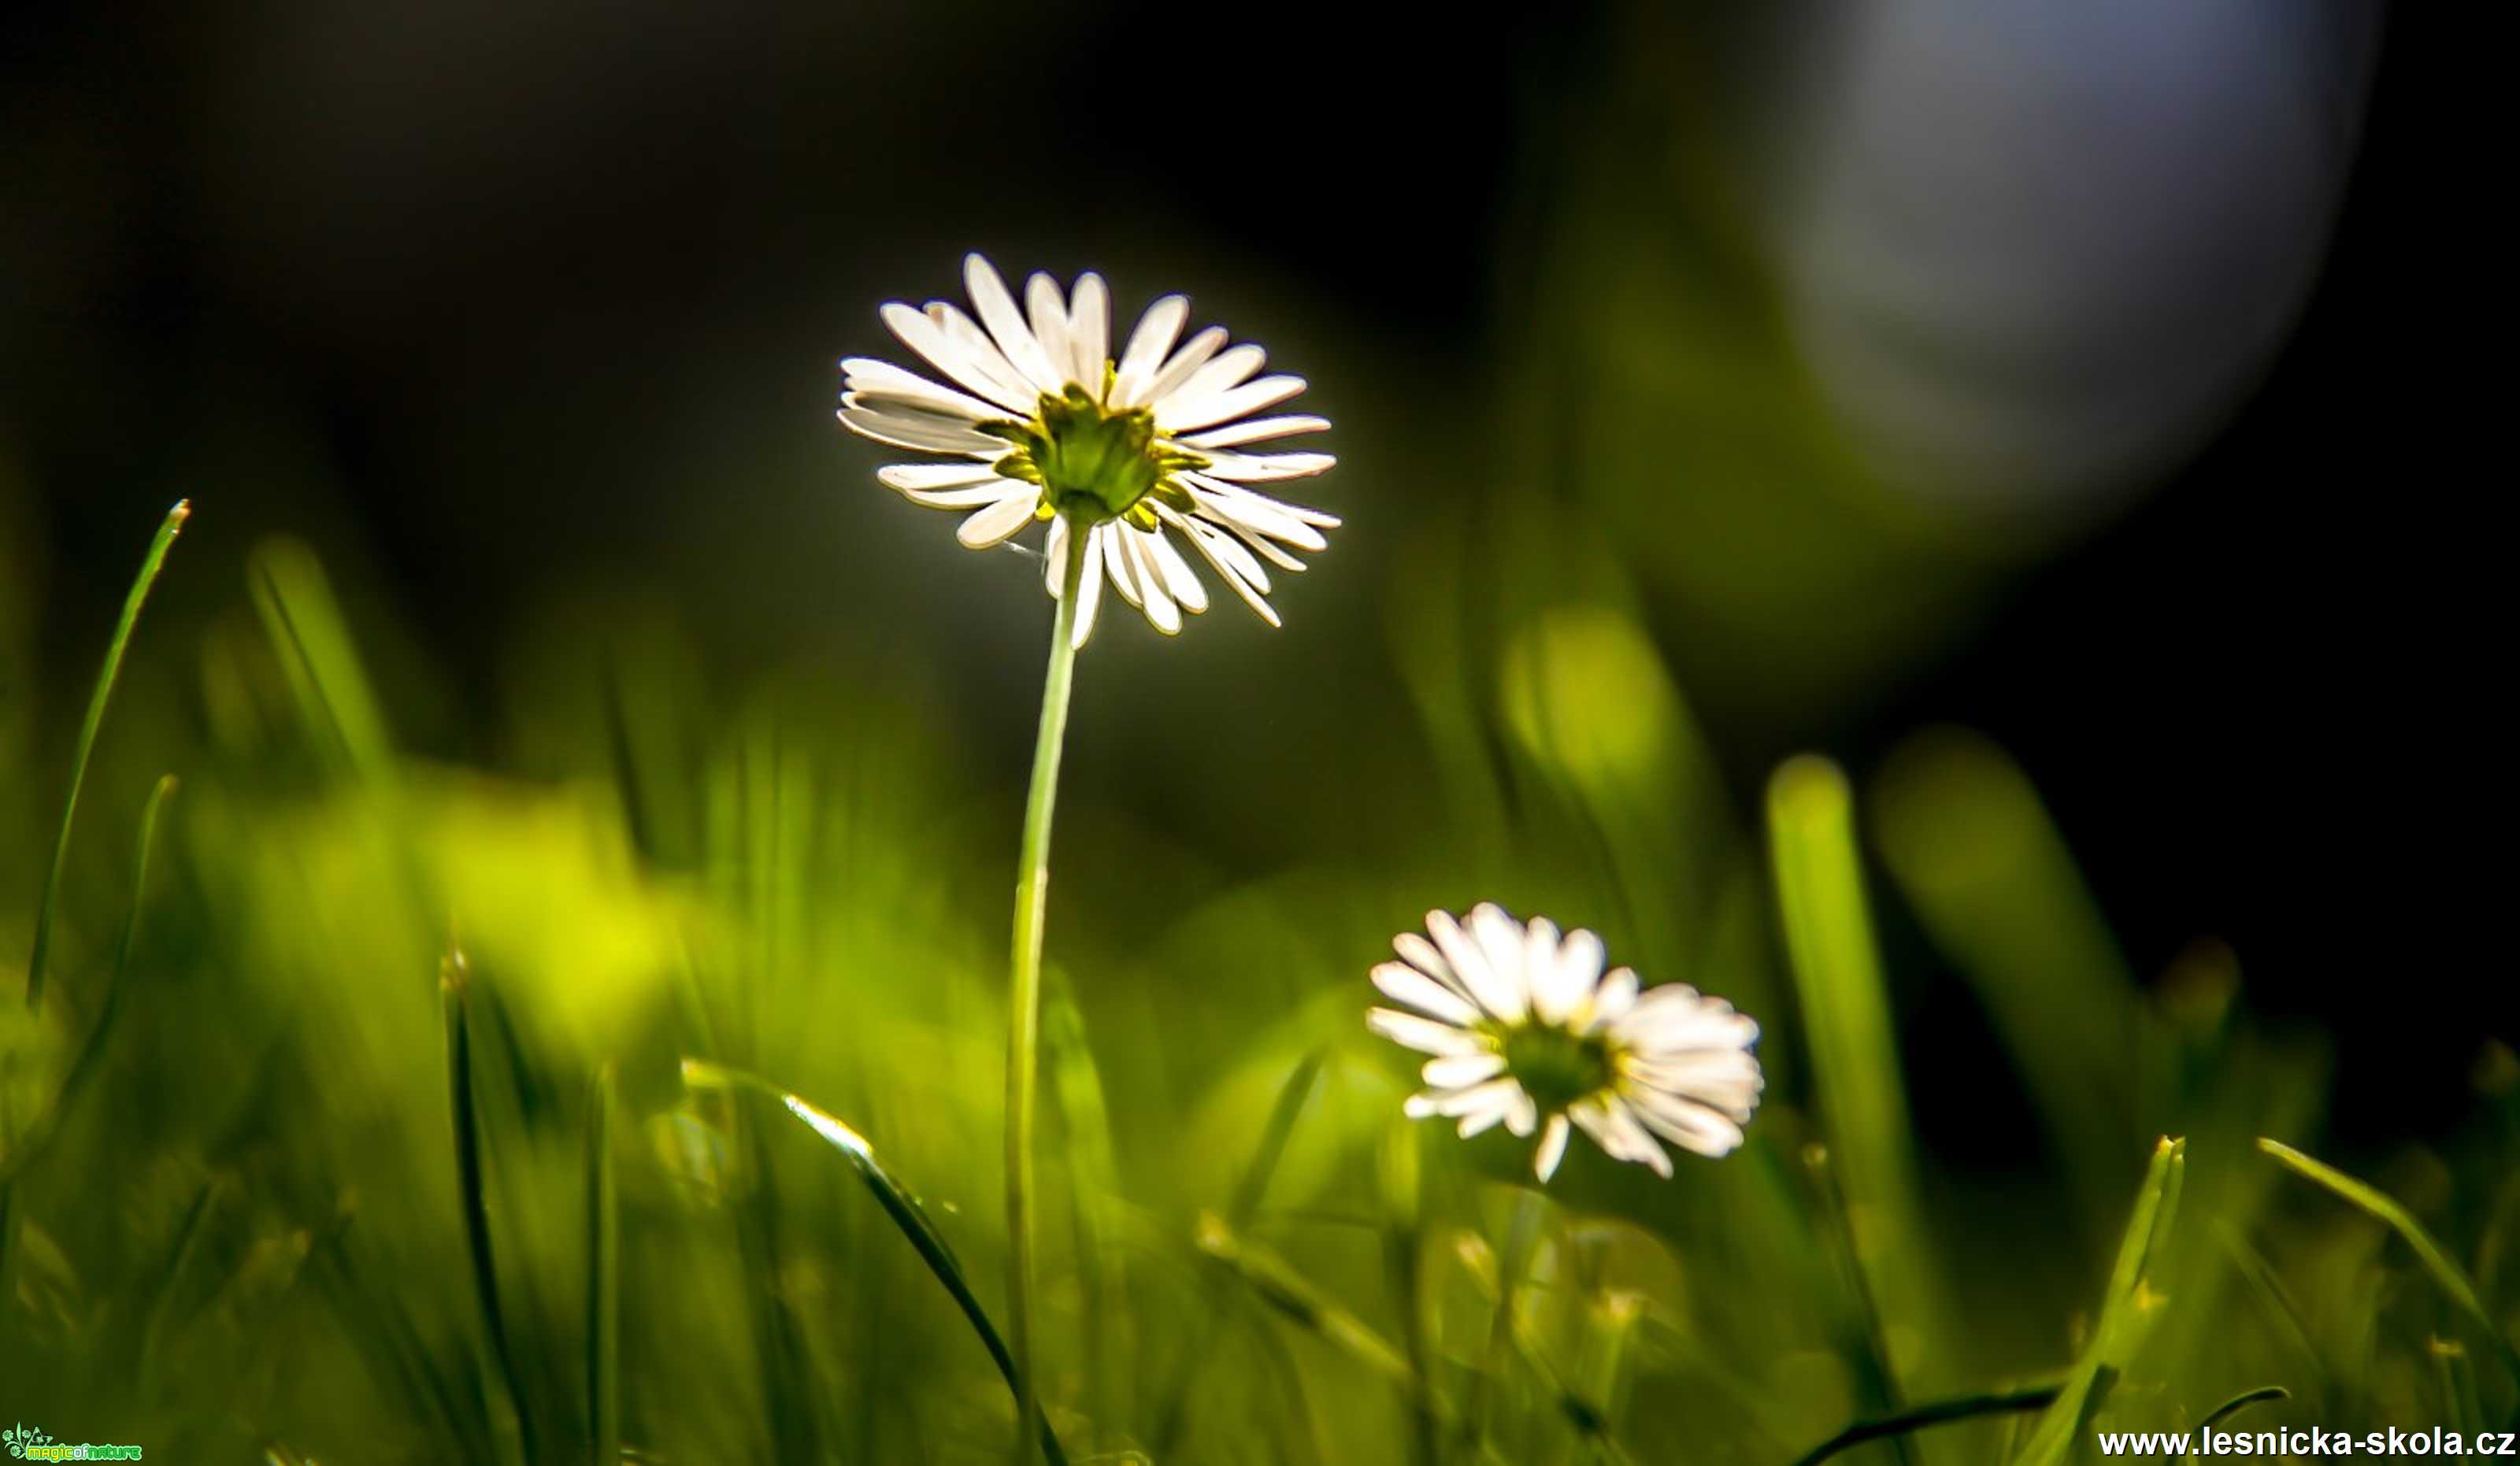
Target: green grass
273, 1189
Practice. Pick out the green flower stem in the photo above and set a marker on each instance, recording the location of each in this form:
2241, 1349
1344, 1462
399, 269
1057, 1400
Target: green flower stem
1522, 1239
1023, 1011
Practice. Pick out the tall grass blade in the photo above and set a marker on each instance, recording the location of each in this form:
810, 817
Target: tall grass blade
150, 565
897, 1200
1972, 845
2445, 1273
603, 1278
2128, 1312
1846, 1020
454, 982
319, 657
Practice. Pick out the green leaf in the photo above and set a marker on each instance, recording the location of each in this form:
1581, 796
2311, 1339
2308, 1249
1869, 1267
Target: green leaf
898, 1201
2128, 1312
2447, 1274
150, 565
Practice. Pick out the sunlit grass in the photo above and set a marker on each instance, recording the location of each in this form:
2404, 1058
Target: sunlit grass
611, 1189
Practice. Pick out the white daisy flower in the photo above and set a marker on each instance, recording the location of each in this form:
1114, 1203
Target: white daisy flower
1525, 1029
1140, 455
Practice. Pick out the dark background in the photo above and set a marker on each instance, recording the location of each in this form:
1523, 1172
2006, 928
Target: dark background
483, 298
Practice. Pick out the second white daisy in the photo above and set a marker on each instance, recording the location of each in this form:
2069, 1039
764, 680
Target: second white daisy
1137, 456
1524, 1029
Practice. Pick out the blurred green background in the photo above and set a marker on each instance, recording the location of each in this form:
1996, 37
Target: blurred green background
1922, 523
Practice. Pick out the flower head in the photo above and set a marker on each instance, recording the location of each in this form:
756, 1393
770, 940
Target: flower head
1525, 1029
1135, 456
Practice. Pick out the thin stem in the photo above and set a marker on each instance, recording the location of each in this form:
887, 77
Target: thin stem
1023, 1012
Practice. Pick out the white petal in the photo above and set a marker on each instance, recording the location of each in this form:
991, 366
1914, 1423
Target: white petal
1227, 369
1263, 468
1007, 326
1675, 1017
912, 477
1690, 1126
1551, 997
1225, 556
981, 349
903, 429
1054, 557
1524, 1117
990, 376
1553, 1149
1501, 941
1157, 601
1725, 1080
1424, 1035
1238, 507
1502, 996
1156, 331
1192, 355
1089, 330
1402, 983
1089, 592
1256, 429
1046, 310
865, 374
1460, 1070
1569, 971
1612, 1000
1631, 1135
1422, 954
997, 523
1115, 560
1249, 397
1178, 577
974, 495
1482, 1105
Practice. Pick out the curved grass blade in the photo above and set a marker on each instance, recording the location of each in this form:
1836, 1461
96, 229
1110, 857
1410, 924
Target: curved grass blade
603, 1278
319, 658
2004, 1403
454, 983
2127, 1311
155, 561
897, 1200
2235, 1406
2445, 1273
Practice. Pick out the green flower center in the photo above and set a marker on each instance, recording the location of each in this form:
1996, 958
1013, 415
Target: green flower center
1095, 463
1556, 1068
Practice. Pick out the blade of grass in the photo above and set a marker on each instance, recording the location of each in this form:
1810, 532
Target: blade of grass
1094, 1182
2235, 1406
1970, 1407
897, 1200
170, 1274
42, 1131
2127, 1311
2445, 1273
150, 565
454, 983
1248, 1193
1854, 1060
1402, 1175
1965, 836
318, 656
1290, 1294
603, 1278
83, 1067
